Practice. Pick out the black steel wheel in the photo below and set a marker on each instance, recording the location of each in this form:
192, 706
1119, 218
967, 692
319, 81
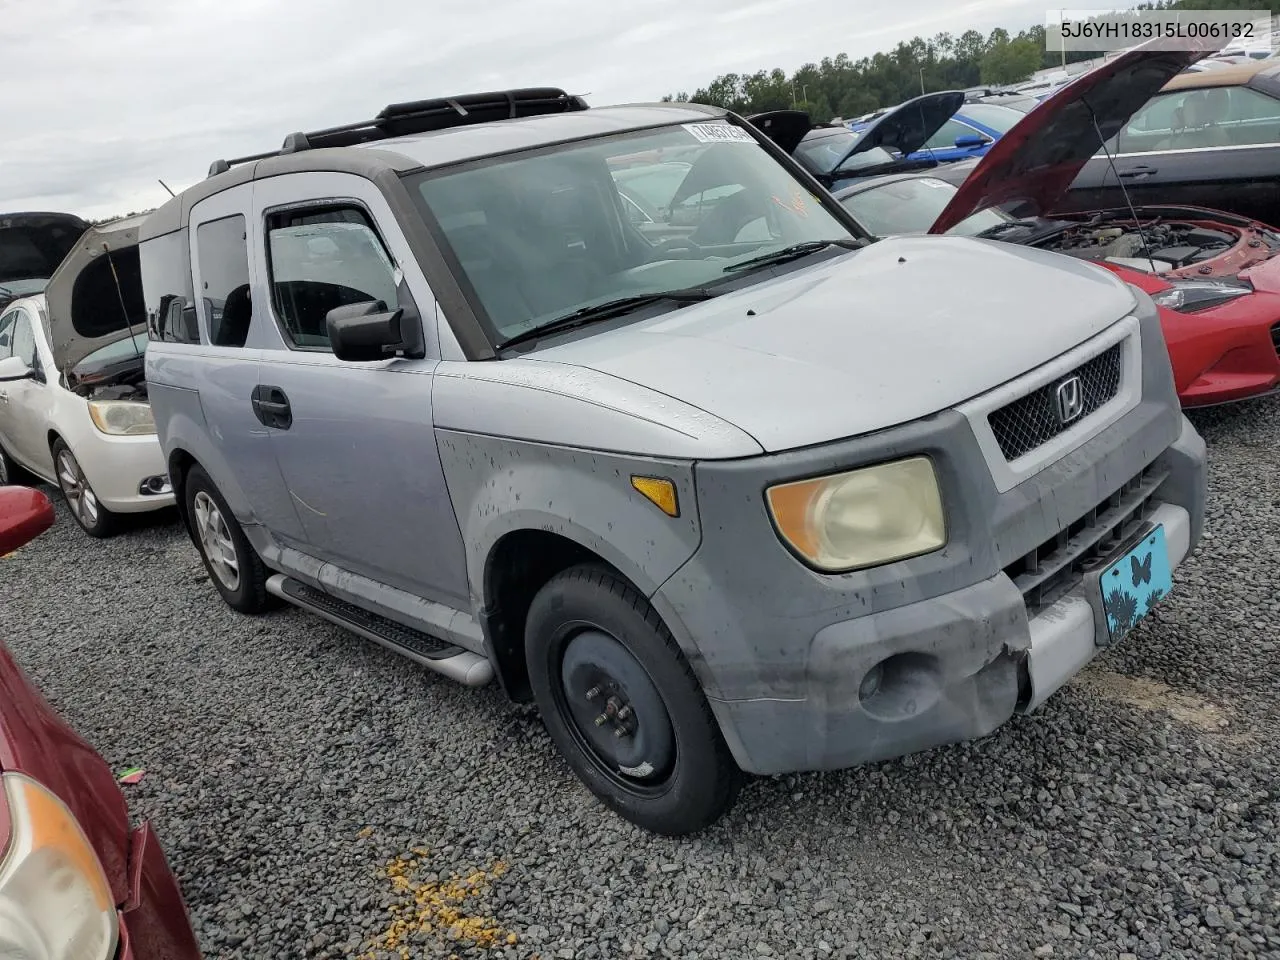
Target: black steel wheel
623, 706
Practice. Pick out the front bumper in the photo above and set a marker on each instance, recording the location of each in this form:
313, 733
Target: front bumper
119, 468
824, 685
1227, 354
153, 923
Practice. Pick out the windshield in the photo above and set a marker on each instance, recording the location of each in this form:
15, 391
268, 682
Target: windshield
540, 237
822, 153
23, 288
115, 352
999, 118
913, 206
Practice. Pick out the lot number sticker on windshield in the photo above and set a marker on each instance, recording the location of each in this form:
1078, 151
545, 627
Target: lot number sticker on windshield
719, 133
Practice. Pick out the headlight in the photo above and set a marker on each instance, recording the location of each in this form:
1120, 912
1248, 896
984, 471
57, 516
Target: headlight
122, 418
862, 518
1189, 296
55, 901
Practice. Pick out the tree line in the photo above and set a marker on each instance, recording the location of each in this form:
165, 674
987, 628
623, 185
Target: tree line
841, 87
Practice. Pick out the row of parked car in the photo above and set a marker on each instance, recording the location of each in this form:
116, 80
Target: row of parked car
1052, 182
622, 407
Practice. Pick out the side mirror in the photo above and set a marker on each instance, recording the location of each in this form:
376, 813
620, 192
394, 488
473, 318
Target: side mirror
13, 369
968, 140
24, 515
360, 332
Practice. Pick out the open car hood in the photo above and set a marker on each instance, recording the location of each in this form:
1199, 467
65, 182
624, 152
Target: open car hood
1035, 163
909, 125
786, 128
95, 297
33, 244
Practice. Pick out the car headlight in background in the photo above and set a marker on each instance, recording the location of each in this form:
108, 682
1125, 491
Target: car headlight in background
122, 418
862, 518
1190, 296
55, 901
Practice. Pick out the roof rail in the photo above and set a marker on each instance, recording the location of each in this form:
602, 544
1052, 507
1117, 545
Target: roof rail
422, 116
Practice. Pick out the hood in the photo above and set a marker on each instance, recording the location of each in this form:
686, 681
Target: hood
905, 128
1037, 160
909, 125
835, 350
94, 298
786, 128
33, 244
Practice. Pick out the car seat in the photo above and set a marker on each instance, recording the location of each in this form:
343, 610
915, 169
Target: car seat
237, 312
1195, 122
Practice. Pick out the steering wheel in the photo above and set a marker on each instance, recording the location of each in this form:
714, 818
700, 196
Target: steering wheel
676, 245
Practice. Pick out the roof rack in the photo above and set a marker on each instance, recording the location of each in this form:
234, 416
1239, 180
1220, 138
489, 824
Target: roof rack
422, 116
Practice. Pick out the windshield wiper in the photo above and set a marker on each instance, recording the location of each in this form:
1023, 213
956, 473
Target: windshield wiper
1001, 228
795, 252
607, 310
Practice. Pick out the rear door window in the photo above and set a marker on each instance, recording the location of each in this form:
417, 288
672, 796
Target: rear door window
319, 259
224, 280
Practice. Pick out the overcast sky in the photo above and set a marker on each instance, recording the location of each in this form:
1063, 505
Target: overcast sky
102, 97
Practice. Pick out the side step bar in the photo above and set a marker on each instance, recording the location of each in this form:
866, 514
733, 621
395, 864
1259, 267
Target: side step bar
458, 664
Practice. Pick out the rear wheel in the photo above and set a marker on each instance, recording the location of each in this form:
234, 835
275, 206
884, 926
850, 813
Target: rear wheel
233, 565
94, 519
622, 705
11, 474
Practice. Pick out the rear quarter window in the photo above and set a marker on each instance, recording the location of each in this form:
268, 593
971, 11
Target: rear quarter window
166, 288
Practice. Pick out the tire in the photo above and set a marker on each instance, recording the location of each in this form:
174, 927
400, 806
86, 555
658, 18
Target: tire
93, 518
594, 645
235, 569
13, 475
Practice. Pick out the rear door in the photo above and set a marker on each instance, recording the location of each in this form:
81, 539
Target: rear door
225, 371
356, 447
1164, 155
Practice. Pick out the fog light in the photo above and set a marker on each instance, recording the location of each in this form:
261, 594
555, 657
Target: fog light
155, 487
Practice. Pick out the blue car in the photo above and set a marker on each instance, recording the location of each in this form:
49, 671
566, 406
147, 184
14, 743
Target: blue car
969, 133
837, 155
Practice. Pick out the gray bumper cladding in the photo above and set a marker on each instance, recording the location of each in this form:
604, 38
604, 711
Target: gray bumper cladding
807, 671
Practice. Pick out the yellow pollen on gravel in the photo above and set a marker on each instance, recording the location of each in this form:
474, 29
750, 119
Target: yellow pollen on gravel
437, 908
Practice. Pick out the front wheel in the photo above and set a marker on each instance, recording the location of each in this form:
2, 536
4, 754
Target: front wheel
622, 705
233, 565
94, 519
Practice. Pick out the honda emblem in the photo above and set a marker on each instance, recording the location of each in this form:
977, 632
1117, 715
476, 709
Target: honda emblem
1070, 397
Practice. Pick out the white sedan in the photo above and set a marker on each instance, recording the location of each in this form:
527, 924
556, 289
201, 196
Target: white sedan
73, 407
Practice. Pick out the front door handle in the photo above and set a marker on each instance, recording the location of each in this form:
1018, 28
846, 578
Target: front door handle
271, 407
1140, 171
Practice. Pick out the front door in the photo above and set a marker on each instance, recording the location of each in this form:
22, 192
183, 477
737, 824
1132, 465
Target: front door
1216, 148
25, 405
354, 441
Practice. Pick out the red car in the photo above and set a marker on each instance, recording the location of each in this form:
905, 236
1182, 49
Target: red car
76, 883
1215, 276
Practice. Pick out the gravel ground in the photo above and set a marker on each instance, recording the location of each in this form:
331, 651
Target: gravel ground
305, 783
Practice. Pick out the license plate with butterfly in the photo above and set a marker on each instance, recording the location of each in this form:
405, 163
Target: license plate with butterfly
1134, 584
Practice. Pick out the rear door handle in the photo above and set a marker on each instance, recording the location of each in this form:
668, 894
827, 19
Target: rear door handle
1134, 172
271, 407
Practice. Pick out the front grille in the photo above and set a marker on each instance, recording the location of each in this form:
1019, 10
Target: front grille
1056, 566
1033, 420
1275, 339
